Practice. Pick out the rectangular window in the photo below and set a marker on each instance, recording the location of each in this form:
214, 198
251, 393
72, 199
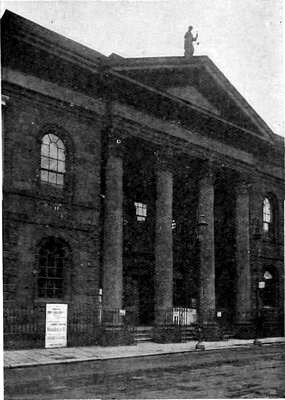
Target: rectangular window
141, 211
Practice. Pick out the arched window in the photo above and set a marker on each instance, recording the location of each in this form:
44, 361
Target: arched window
267, 215
53, 262
270, 291
52, 160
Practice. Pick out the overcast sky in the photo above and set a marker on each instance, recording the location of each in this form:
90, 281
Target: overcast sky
243, 38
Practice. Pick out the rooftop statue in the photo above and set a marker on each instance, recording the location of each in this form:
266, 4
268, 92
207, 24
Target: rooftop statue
188, 42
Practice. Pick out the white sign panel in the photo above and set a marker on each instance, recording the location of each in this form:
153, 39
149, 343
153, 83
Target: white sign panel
56, 325
184, 316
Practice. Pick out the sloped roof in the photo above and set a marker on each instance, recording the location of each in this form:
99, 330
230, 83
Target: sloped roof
30, 32
199, 82
194, 82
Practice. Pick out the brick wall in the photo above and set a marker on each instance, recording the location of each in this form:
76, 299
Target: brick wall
33, 211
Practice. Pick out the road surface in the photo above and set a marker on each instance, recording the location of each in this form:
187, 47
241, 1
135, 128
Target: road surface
250, 372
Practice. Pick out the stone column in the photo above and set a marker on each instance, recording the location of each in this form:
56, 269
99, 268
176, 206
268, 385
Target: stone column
206, 248
163, 247
243, 277
113, 236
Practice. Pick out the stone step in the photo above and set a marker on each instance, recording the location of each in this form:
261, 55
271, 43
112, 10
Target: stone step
188, 333
143, 334
143, 328
143, 339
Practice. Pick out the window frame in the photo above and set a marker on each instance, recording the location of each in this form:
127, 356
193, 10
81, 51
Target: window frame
49, 190
141, 216
270, 220
53, 165
66, 274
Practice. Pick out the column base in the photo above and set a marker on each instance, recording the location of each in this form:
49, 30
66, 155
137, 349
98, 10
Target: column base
245, 330
209, 331
166, 334
116, 336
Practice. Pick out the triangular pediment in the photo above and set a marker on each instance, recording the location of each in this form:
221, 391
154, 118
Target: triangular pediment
198, 82
192, 95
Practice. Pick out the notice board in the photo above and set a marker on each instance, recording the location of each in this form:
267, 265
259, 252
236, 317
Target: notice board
56, 325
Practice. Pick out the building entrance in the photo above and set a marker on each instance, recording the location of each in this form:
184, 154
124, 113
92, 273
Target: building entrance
139, 293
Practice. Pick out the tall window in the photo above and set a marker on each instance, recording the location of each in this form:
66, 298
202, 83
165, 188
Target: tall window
52, 160
267, 215
53, 259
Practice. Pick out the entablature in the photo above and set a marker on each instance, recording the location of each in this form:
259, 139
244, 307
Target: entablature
142, 125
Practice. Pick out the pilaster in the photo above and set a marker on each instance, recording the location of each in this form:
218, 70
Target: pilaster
113, 233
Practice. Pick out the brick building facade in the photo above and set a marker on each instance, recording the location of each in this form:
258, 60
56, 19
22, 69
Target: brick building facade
135, 190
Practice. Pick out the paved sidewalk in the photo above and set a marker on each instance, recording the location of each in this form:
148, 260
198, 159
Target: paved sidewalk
34, 357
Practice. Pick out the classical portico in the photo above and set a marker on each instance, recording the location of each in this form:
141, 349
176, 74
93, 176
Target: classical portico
121, 266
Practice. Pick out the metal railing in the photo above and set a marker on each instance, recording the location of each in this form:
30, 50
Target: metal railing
85, 322
25, 323
23, 319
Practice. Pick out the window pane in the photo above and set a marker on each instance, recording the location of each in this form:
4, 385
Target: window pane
46, 139
53, 150
52, 178
61, 155
60, 144
44, 176
61, 166
45, 162
45, 150
41, 286
53, 138
52, 164
59, 179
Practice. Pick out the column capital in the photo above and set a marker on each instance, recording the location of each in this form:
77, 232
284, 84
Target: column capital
164, 160
116, 145
208, 172
243, 184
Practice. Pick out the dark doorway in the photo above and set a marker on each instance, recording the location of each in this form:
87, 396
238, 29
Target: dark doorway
139, 230
146, 297
225, 267
139, 292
